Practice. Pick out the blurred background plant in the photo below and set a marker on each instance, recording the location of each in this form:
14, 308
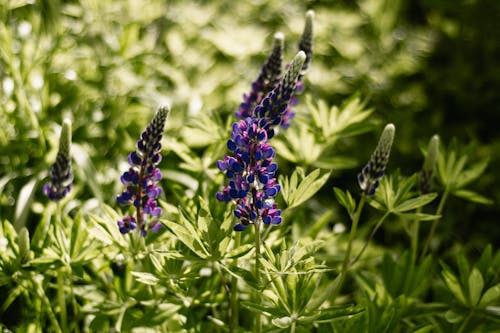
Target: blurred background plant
426, 66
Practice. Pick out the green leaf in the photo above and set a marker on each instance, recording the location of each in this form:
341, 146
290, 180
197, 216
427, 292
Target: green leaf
476, 284
473, 196
146, 278
453, 284
472, 173
491, 295
23, 203
345, 199
188, 237
425, 329
311, 184
453, 317
240, 251
282, 322
418, 216
415, 203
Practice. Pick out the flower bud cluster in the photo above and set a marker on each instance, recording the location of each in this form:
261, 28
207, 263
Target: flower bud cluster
141, 179
371, 174
269, 76
61, 178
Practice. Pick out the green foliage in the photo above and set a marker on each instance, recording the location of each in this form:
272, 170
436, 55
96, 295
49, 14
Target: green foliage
105, 65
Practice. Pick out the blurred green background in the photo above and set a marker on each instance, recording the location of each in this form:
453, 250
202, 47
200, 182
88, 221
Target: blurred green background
429, 66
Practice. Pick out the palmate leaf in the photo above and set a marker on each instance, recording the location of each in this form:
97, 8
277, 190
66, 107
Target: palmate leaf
335, 122
395, 196
345, 199
296, 192
454, 173
453, 283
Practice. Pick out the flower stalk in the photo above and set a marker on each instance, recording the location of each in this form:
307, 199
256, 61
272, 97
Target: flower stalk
142, 178
61, 178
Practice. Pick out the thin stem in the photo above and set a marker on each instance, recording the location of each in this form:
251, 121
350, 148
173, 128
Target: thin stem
62, 300
258, 324
374, 231
354, 227
48, 306
435, 222
414, 235
465, 323
234, 320
61, 297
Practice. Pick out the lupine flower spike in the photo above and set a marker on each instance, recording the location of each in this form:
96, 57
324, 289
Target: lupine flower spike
252, 185
141, 179
268, 78
371, 174
305, 45
427, 172
61, 178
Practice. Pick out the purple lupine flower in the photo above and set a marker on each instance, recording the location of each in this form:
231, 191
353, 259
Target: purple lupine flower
251, 171
268, 78
61, 178
141, 179
371, 174
306, 45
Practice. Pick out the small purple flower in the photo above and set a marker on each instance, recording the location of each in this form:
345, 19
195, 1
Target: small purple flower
141, 179
371, 174
61, 178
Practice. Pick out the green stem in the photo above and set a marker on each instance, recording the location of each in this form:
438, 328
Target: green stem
435, 222
48, 307
354, 227
62, 300
414, 235
258, 324
234, 321
61, 297
377, 226
465, 323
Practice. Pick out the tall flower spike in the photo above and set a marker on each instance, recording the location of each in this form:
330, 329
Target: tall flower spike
141, 179
268, 78
275, 104
371, 174
61, 178
427, 172
305, 45
306, 42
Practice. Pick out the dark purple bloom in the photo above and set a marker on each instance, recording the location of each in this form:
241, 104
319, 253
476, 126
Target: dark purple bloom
61, 178
141, 179
250, 169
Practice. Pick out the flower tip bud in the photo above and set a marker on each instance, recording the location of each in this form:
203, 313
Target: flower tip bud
279, 36
299, 58
432, 153
309, 16
390, 128
164, 109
